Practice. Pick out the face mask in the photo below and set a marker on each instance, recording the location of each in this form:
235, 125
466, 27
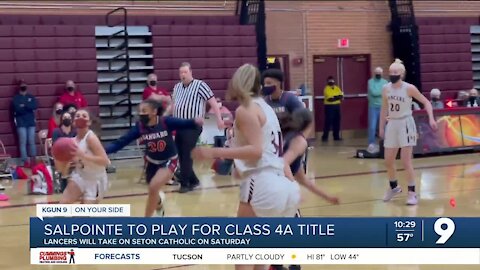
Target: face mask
378, 76
435, 99
331, 83
394, 78
144, 119
268, 90
152, 83
59, 111
70, 89
472, 100
23, 88
81, 123
67, 122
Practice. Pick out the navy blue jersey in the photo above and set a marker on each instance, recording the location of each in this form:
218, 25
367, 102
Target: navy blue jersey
158, 139
297, 163
284, 106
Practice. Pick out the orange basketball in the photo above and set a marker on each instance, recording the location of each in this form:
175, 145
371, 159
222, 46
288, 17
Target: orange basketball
64, 149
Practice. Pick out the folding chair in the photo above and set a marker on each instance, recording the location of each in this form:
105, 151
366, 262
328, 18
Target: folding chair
47, 146
4, 159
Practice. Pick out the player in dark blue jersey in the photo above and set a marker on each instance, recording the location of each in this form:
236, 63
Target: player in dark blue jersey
297, 127
155, 132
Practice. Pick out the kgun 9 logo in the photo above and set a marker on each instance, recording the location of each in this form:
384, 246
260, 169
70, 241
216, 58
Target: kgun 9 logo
445, 228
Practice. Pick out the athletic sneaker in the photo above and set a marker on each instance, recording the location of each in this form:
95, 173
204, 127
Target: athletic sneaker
160, 211
412, 198
392, 193
371, 148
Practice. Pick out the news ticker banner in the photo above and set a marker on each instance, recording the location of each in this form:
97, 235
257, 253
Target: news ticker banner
208, 240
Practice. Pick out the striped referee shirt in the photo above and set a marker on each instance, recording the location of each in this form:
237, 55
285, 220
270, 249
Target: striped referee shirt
189, 102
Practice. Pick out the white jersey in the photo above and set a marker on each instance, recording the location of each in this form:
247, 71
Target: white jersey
399, 102
87, 167
272, 143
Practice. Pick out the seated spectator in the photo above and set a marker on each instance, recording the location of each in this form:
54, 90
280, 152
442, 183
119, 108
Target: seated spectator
435, 98
153, 91
473, 98
65, 128
71, 109
72, 96
54, 121
462, 98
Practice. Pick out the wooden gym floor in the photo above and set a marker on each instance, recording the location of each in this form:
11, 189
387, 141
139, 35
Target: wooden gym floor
360, 184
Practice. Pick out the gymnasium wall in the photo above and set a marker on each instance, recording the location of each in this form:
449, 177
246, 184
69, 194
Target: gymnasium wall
313, 28
160, 8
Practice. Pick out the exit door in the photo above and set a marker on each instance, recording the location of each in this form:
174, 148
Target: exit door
351, 73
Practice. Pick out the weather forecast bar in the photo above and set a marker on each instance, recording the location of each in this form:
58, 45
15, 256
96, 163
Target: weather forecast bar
163, 256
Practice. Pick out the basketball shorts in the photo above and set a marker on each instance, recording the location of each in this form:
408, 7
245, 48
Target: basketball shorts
270, 193
93, 186
400, 133
152, 168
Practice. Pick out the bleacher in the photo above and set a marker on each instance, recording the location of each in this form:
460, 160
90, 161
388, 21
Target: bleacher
47, 50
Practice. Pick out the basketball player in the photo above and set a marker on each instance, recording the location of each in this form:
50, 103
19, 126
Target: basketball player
89, 179
400, 131
161, 154
297, 128
256, 150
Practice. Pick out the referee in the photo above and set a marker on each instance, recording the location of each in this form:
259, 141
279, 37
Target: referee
189, 101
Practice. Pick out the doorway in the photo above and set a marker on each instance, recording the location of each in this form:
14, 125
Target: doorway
351, 73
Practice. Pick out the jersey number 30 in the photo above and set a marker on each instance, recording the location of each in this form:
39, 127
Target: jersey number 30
394, 107
156, 147
277, 142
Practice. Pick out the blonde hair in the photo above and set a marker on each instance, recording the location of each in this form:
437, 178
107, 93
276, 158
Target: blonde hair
398, 64
244, 84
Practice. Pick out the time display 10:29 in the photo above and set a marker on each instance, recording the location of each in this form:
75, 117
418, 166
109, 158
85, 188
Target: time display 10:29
405, 224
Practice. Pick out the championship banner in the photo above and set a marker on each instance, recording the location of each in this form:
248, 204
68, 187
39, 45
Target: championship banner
209, 240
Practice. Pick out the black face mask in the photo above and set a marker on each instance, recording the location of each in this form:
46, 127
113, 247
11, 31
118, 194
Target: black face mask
70, 89
435, 99
472, 100
331, 83
59, 111
152, 83
67, 122
378, 76
144, 119
394, 78
23, 88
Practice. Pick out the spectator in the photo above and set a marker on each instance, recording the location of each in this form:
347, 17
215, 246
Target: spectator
72, 96
24, 107
375, 87
282, 102
435, 98
152, 90
333, 97
473, 98
71, 109
462, 98
65, 128
189, 101
54, 121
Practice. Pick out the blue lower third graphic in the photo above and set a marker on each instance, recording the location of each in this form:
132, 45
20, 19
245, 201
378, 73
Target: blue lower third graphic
127, 232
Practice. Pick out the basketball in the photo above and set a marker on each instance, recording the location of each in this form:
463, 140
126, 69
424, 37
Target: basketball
64, 149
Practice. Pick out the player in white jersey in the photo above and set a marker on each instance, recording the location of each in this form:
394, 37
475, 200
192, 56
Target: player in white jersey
89, 178
256, 149
400, 131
